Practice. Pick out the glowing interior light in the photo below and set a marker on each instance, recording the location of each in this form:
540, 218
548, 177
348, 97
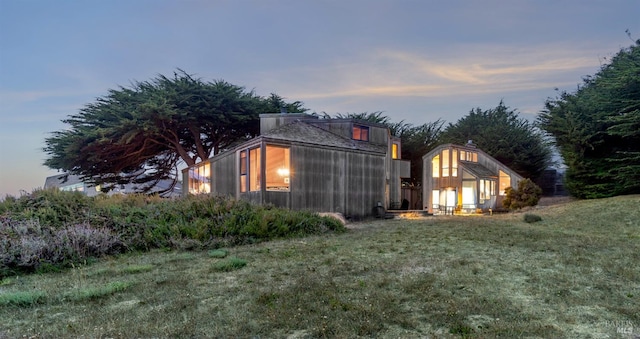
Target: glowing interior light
283, 172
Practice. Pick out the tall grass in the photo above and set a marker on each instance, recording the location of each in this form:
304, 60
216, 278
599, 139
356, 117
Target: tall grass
52, 228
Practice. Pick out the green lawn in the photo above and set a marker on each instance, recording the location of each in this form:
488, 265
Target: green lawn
576, 273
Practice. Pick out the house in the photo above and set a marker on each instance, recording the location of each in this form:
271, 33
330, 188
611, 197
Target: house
302, 162
464, 179
71, 182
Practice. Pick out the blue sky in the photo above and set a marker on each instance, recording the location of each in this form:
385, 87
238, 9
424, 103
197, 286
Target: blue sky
415, 60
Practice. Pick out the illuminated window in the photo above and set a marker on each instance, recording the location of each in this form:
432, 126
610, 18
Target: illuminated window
487, 189
445, 163
254, 169
200, 179
277, 170
469, 156
250, 170
243, 171
435, 166
469, 194
454, 164
435, 199
394, 151
73, 188
504, 181
361, 133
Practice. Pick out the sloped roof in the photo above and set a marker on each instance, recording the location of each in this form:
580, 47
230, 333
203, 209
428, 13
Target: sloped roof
299, 131
58, 180
478, 170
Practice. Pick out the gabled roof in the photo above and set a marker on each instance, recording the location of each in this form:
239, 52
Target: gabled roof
478, 170
299, 131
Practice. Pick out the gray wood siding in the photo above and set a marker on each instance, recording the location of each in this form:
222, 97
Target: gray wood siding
399, 169
318, 179
342, 128
365, 183
224, 175
271, 121
327, 180
377, 135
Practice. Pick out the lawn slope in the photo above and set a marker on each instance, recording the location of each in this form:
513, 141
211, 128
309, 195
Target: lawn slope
573, 274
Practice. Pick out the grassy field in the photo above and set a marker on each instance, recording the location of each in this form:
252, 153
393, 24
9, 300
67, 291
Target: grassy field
576, 273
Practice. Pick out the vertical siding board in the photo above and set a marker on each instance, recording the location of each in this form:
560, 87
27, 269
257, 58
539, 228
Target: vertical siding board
224, 175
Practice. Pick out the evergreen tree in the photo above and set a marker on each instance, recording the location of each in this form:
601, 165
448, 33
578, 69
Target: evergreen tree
140, 134
501, 133
597, 129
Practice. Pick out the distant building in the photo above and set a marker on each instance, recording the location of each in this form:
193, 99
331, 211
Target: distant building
464, 179
74, 183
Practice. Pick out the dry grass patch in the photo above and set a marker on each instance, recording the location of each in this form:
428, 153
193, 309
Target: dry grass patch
572, 274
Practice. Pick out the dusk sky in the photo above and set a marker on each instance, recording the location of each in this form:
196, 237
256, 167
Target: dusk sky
415, 61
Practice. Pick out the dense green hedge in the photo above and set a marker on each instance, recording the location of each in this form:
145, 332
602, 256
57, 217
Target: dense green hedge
51, 228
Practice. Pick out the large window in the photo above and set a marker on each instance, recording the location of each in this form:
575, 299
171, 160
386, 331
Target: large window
361, 133
435, 167
469, 194
445, 163
254, 169
487, 189
435, 199
277, 170
200, 179
250, 170
454, 164
504, 181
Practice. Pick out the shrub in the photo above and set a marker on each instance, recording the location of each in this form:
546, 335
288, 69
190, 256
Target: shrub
527, 194
50, 207
531, 218
230, 264
29, 246
50, 229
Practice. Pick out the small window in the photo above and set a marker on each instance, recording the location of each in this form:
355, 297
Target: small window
394, 151
469, 156
360, 133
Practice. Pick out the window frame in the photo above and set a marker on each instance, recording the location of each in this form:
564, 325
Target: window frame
285, 167
200, 176
360, 132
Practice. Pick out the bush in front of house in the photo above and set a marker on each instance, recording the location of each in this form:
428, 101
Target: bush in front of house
26, 245
527, 194
51, 228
